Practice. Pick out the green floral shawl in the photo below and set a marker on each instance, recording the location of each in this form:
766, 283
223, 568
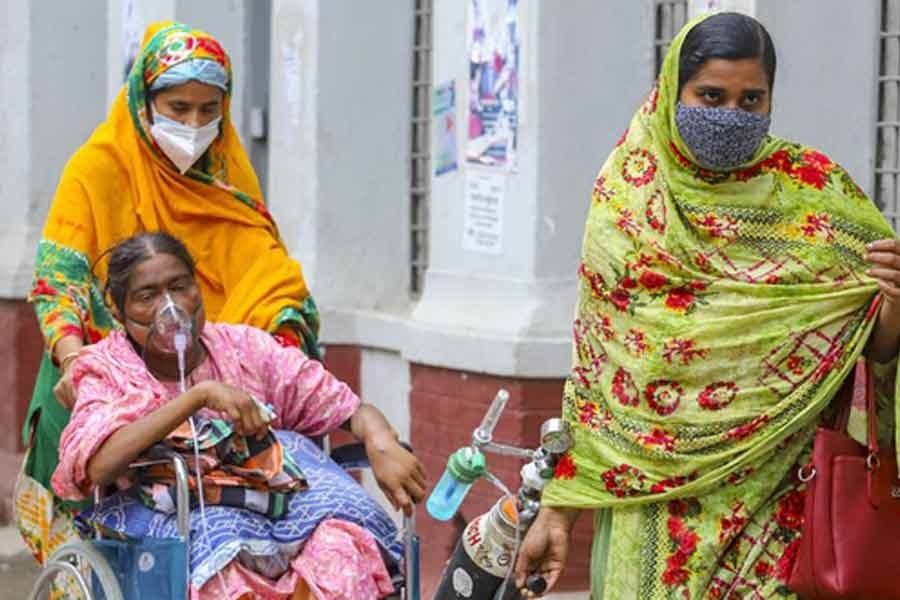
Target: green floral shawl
718, 312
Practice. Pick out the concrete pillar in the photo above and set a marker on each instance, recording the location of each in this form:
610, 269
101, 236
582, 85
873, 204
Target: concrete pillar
338, 185
845, 97
52, 77
52, 100
697, 7
125, 24
339, 147
19, 232
826, 85
584, 70
487, 321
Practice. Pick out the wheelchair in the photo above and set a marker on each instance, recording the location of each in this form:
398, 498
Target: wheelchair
89, 572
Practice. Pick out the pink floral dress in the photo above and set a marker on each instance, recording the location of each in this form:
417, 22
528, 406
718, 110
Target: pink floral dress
114, 389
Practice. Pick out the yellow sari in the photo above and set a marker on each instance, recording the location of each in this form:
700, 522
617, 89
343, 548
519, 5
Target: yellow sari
120, 183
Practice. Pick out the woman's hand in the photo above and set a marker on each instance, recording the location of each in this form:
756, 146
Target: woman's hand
546, 547
64, 390
399, 474
65, 352
884, 255
885, 258
127, 443
238, 406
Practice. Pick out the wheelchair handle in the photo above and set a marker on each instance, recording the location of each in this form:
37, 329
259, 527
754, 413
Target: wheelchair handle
183, 505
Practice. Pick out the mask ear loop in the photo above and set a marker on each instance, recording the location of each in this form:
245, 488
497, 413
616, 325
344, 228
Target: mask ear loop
110, 305
104, 292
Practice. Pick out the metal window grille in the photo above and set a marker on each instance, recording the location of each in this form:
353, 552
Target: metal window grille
669, 17
420, 146
887, 152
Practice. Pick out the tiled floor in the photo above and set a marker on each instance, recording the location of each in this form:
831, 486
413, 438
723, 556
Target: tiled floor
18, 569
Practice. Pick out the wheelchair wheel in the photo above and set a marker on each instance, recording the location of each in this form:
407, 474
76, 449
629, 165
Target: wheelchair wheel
69, 569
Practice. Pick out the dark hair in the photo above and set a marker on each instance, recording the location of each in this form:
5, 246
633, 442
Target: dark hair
727, 35
127, 255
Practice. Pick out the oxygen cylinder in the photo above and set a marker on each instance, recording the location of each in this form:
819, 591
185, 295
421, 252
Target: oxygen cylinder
482, 557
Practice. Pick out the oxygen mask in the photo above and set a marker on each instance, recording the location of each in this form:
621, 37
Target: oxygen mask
172, 329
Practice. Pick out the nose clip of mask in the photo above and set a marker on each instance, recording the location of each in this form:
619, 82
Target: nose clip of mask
172, 328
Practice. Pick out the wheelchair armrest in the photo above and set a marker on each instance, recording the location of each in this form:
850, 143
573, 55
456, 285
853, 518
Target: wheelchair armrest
182, 497
182, 489
352, 457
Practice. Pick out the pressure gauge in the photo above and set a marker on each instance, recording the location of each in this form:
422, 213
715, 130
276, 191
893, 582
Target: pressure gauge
555, 437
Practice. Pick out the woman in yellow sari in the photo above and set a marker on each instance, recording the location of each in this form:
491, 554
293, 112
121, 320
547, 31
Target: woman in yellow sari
729, 282
167, 158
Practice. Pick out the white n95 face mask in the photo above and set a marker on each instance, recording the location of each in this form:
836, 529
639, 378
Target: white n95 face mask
183, 144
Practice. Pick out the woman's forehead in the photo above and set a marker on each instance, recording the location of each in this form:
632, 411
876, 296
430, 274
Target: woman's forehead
725, 73
195, 92
157, 270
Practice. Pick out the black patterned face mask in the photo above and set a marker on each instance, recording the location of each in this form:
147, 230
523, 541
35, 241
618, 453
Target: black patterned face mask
721, 138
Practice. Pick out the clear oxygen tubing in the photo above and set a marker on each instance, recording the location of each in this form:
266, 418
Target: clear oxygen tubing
495, 481
180, 342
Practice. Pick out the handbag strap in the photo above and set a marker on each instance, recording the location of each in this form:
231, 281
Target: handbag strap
844, 403
871, 416
862, 396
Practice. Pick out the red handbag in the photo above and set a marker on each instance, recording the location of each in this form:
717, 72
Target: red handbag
850, 546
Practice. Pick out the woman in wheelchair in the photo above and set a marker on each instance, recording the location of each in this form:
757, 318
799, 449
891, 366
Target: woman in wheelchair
277, 518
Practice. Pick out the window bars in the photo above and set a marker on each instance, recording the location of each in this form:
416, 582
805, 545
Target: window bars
669, 17
887, 134
420, 145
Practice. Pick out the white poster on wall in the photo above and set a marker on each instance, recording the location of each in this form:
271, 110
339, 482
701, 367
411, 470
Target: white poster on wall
494, 47
483, 211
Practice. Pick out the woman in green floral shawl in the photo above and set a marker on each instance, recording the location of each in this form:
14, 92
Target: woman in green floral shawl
729, 281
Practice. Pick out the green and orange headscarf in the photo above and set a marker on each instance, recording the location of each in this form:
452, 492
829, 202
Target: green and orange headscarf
120, 183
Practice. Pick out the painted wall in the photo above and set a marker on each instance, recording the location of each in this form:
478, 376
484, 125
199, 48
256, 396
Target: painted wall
696, 7
125, 24
596, 70
18, 232
57, 89
825, 87
339, 146
583, 72
50, 105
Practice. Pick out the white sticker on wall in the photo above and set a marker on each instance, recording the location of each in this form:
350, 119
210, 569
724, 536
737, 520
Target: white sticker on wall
483, 211
132, 30
700, 7
291, 67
